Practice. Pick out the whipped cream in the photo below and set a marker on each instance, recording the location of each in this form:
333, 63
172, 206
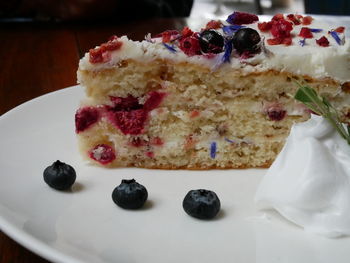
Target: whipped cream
309, 182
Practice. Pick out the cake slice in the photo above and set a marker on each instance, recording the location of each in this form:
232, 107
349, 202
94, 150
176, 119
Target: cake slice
220, 97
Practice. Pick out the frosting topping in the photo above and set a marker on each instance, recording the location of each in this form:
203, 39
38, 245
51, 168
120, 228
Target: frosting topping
292, 43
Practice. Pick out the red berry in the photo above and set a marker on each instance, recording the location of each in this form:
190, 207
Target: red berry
129, 122
153, 101
294, 19
101, 54
102, 153
305, 32
240, 18
274, 41
168, 35
186, 32
340, 29
125, 104
190, 45
307, 20
213, 24
265, 26
277, 17
275, 112
323, 42
85, 117
281, 28
157, 141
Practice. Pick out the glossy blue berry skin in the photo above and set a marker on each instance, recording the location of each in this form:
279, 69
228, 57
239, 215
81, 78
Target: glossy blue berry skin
246, 40
211, 41
130, 194
201, 203
60, 176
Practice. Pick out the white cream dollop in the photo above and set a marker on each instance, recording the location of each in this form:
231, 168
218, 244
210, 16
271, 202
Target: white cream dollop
309, 182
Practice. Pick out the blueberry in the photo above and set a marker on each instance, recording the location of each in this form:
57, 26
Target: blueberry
59, 175
130, 194
201, 203
246, 39
211, 41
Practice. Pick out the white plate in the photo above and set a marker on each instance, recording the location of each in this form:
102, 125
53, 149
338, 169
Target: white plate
84, 225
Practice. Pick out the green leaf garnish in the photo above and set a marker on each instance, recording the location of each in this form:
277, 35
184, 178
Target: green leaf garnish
323, 107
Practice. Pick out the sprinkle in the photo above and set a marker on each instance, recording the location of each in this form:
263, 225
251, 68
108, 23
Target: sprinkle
302, 42
213, 150
336, 37
228, 140
228, 51
316, 30
229, 30
170, 48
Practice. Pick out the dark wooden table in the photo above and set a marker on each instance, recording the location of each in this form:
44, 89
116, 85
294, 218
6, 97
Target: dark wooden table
39, 58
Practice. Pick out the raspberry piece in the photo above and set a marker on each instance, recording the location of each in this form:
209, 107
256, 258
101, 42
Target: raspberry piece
281, 28
307, 20
130, 116
264, 26
168, 35
85, 117
213, 24
275, 112
126, 104
153, 101
190, 45
129, 122
103, 154
340, 29
323, 42
186, 32
274, 41
150, 154
277, 17
294, 19
240, 18
305, 32
287, 41
157, 141
101, 54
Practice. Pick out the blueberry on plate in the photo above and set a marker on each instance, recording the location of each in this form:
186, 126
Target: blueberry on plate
201, 203
211, 41
130, 194
59, 175
246, 39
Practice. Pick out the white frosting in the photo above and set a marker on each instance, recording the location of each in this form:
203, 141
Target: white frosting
309, 182
311, 59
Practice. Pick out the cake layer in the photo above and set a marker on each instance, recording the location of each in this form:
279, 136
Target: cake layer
218, 98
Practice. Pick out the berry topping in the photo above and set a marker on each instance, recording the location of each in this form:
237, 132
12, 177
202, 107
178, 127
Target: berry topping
130, 194
240, 18
211, 41
264, 26
190, 44
101, 54
85, 117
246, 39
213, 24
281, 28
201, 203
340, 29
305, 32
102, 153
169, 35
323, 42
295, 19
59, 175
307, 20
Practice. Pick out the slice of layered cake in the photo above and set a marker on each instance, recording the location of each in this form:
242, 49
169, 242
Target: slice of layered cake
219, 97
